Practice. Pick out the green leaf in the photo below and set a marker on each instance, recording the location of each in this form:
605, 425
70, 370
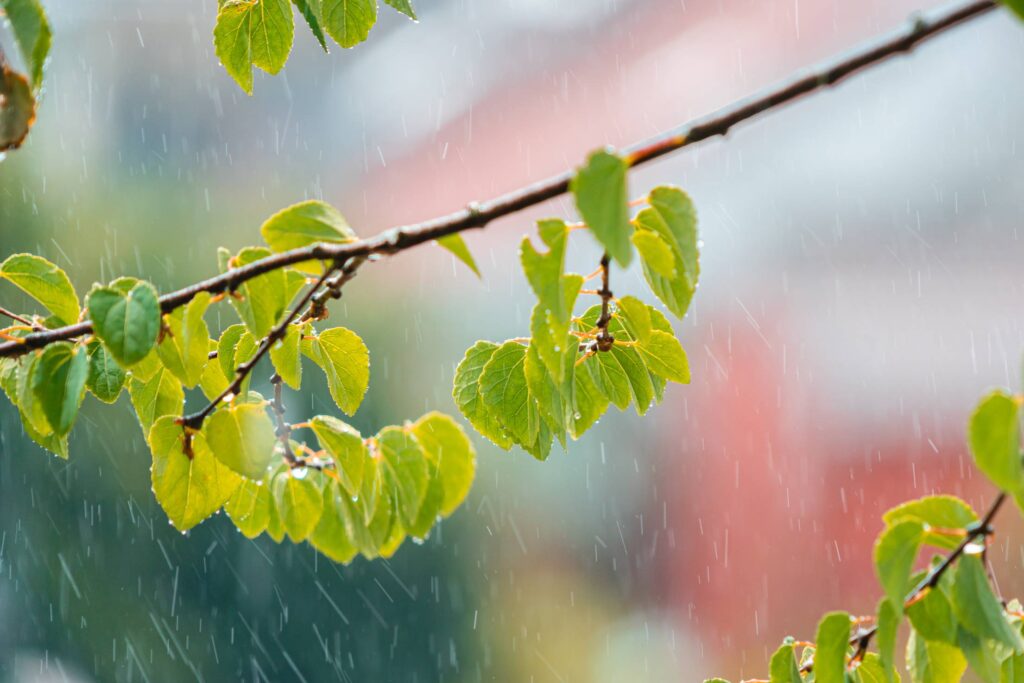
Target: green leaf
185, 348
17, 108
345, 361
44, 282
655, 253
127, 322
447, 446
637, 317
233, 43
405, 470
331, 536
106, 378
872, 670
242, 437
349, 21
271, 34
932, 617
544, 270
403, 6
609, 378
466, 392
783, 667
665, 357
155, 397
831, 645
895, 552
599, 189
264, 299
212, 381
977, 607
994, 435
640, 384
505, 393
249, 507
547, 395
58, 383
933, 662
935, 513
310, 10
346, 448
32, 33
299, 503
303, 224
888, 622
1016, 5
981, 656
285, 356
189, 487
589, 404
672, 217
457, 246
550, 337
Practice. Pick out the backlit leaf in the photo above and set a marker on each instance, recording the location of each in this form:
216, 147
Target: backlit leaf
188, 488
285, 356
155, 397
346, 448
894, 555
345, 361
349, 21
299, 503
331, 536
271, 34
303, 224
249, 507
185, 348
831, 644
405, 467
665, 357
233, 43
44, 282
672, 217
655, 253
457, 246
599, 189
978, 609
447, 446
242, 437
994, 435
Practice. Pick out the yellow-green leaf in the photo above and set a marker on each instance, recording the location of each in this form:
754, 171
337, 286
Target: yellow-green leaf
994, 434
447, 446
285, 356
43, 281
249, 507
185, 348
305, 223
405, 470
457, 246
665, 357
232, 41
349, 21
299, 503
189, 486
155, 397
346, 448
106, 378
655, 253
331, 536
466, 392
345, 361
242, 437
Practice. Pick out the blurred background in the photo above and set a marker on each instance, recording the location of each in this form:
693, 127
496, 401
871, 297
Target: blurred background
860, 289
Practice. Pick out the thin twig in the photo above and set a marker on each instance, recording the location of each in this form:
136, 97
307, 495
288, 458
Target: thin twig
478, 215
20, 319
195, 420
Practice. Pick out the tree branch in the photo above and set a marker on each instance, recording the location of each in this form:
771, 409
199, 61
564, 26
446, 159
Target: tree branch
478, 215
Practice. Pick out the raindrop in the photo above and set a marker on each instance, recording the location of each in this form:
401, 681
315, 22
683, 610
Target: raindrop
300, 472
